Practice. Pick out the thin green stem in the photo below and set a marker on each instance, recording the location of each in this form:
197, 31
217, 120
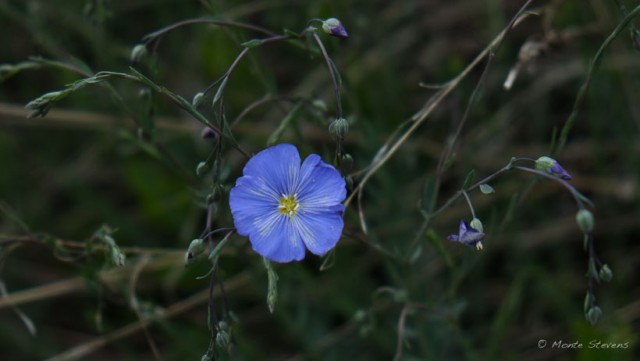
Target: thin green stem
593, 66
149, 38
576, 195
336, 86
466, 196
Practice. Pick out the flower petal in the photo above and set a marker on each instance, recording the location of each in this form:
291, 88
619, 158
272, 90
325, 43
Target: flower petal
320, 184
320, 230
277, 166
250, 199
277, 239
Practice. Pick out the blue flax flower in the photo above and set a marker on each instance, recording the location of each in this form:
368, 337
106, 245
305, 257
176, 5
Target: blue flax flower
468, 235
283, 206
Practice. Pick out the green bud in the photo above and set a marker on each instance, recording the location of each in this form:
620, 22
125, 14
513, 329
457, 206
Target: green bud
223, 339
605, 273
339, 128
347, 162
593, 315
202, 169
584, 218
137, 53
197, 99
349, 182
477, 224
196, 247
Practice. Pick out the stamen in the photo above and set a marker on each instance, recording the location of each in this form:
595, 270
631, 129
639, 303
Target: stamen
288, 205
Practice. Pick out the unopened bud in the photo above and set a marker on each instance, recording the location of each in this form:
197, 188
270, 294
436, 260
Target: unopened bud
223, 339
339, 128
551, 166
208, 133
197, 99
347, 162
196, 247
605, 273
202, 169
584, 218
137, 53
593, 315
334, 27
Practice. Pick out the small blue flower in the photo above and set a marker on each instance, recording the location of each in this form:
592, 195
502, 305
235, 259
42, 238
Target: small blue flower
551, 166
334, 27
468, 235
284, 207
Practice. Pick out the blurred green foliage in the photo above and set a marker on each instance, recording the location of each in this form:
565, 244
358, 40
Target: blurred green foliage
85, 165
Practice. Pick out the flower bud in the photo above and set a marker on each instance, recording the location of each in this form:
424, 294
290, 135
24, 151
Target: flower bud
196, 247
605, 273
334, 27
339, 128
197, 99
551, 166
137, 53
207, 133
202, 169
223, 339
349, 182
593, 315
347, 162
584, 218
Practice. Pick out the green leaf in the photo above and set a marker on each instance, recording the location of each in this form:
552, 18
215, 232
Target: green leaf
329, 260
469, 180
252, 43
220, 91
429, 195
486, 189
13, 216
288, 119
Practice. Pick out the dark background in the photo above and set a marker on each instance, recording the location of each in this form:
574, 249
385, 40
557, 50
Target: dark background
83, 166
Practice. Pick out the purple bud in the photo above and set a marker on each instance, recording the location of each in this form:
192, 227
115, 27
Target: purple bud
551, 166
207, 133
334, 27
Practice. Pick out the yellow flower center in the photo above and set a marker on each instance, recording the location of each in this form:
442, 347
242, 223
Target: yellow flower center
288, 205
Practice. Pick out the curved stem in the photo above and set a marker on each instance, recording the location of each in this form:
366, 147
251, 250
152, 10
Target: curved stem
576, 195
336, 86
466, 196
149, 38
